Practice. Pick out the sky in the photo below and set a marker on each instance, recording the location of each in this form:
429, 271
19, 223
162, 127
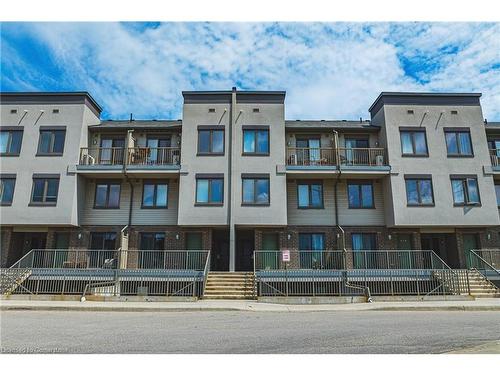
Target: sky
329, 71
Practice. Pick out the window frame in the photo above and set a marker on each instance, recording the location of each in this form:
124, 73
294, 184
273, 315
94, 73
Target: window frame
10, 130
308, 183
363, 234
255, 129
310, 235
457, 131
10, 177
419, 178
360, 183
210, 178
497, 194
256, 177
52, 130
108, 183
465, 185
44, 177
412, 132
155, 196
211, 129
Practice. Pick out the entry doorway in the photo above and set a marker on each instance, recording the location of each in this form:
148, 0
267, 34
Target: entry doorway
444, 245
219, 257
245, 245
471, 242
23, 242
268, 255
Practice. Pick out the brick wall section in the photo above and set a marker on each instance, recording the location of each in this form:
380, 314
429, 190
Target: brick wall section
5, 236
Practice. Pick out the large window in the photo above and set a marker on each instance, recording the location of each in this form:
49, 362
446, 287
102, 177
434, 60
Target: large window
363, 246
458, 142
311, 246
7, 185
360, 194
107, 195
45, 189
209, 190
51, 141
256, 141
255, 190
465, 191
413, 142
419, 191
156, 257
210, 140
155, 195
310, 194
10, 142
102, 252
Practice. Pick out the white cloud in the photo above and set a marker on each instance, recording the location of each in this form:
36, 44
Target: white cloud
328, 70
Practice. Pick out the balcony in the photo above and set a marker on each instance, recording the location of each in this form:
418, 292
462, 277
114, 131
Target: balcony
341, 158
136, 158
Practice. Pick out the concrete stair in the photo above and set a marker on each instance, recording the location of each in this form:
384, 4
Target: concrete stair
480, 286
11, 278
230, 285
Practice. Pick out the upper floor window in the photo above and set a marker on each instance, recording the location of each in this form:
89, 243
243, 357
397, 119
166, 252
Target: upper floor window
45, 190
210, 140
7, 184
155, 195
310, 194
497, 191
255, 190
255, 140
209, 190
458, 142
419, 191
10, 141
413, 142
465, 190
360, 194
107, 195
51, 141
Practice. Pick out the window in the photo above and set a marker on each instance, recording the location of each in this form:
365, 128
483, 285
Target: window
497, 191
360, 195
311, 246
155, 195
209, 191
419, 191
363, 246
101, 253
465, 191
51, 141
364, 241
256, 141
210, 140
413, 143
255, 190
458, 142
45, 190
7, 190
152, 259
107, 195
10, 142
310, 194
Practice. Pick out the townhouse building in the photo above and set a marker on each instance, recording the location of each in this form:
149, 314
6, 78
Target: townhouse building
234, 176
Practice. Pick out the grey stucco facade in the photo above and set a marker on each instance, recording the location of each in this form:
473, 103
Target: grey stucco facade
336, 157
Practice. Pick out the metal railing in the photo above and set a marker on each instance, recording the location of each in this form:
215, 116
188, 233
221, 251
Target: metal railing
495, 157
362, 156
486, 263
102, 156
308, 156
114, 272
154, 156
333, 273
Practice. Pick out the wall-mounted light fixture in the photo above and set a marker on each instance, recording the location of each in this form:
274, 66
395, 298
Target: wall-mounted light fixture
177, 236
288, 236
488, 236
79, 236
389, 237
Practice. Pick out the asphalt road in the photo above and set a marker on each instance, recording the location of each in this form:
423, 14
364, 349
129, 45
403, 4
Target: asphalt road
246, 332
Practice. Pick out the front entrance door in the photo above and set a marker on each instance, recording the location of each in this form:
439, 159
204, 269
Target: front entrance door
404, 257
270, 248
23, 242
471, 242
219, 256
245, 245
444, 245
102, 250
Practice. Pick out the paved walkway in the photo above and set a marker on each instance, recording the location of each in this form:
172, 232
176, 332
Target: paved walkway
482, 304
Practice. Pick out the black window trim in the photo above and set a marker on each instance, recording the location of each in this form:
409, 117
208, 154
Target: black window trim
47, 176
50, 129
155, 183
255, 129
211, 129
323, 234
456, 131
11, 129
255, 176
465, 177
108, 183
309, 183
365, 233
359, 183
8, 176
209, 177
417, 177
412, 131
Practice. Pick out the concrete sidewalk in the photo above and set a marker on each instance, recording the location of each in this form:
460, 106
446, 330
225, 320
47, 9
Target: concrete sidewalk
482, 304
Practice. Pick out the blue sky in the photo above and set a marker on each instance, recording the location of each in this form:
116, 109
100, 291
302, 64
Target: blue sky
329, 70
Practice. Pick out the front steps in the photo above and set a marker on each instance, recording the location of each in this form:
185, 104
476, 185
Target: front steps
230, 285
480, 286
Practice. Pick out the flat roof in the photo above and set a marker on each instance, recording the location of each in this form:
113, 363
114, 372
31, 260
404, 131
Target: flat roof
243, 96
331, 124
137, 124
54, 97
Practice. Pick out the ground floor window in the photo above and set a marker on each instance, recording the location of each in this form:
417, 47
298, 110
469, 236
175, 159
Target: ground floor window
311, 246
153, 250
363, 245
102, 250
